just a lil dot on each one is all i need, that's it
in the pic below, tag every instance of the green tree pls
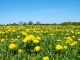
(37, 23)
(24, 23)
(30, 23)
(66, 23)
(20, 23)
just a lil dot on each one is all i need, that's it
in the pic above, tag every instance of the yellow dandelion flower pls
(51, 34)
(18, 36)
(20, 50)
(26, 39)
(37, 48)
(78, 39)
(46, 58)
(12, 46)
(38, 38)
(73, 43)
(35, 41)
(68, 39)
(24, 33)
(32, 37)
(58, 40)
(73, 36)
(65, 47)
(58, 47)
(2, 40)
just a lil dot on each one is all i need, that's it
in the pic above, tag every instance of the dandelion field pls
(40, 42)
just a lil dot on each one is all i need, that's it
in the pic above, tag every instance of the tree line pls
(38, 23)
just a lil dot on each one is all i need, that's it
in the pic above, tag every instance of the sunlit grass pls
(39, 42)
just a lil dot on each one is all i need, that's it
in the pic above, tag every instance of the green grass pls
(47, 43)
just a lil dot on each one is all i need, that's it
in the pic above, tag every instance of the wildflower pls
(78, 32)
(20, 50)
(46, 58)
(38, 38)
(37, 48)
(18, 36)
(78, 39)
(33, 58)
(24, 33)
(13, 30)
(51, 34)
(13, 40)
(32, 37)
(26, 39)
(6, 36)
(68, 39)
(72, 31)
(65, 47)
(27, 30)
(73, 36)
(58, 40)
(67, 34)
(73, 43)
(2, 40)
(36, 41)
(58, 47)
(12, 46)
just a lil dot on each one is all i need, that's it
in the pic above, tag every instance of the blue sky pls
(45, 11)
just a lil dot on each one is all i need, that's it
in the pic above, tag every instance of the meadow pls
(40, 42)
